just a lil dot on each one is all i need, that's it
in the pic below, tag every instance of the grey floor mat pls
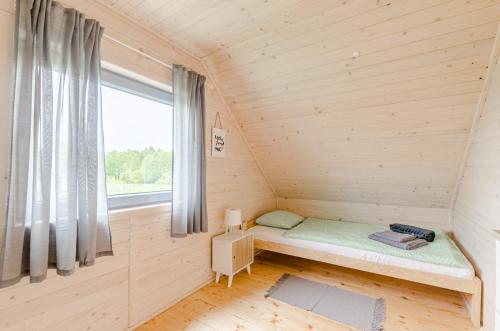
(350, 308)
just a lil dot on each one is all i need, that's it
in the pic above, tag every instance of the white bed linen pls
(276, 235)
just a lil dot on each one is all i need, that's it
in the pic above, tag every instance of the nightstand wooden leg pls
(217, 277)
(248, 269)
(230, 281)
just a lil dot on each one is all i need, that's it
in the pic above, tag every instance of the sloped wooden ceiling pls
(345, 100)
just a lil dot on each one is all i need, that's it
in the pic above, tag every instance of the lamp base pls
(230, 228)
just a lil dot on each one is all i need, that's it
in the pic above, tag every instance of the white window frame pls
(129, 85)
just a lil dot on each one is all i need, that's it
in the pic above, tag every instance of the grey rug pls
(362, 312)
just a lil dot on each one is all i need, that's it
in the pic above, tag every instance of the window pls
(137, 121)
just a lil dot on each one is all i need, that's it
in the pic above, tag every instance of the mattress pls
(277, 236)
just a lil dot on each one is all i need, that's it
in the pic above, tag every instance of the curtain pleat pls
(189, 210)
(57, 203)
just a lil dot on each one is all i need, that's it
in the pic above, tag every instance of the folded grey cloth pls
(408, 245)
(395, 236)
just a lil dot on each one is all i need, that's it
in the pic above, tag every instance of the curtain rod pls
(141, 52)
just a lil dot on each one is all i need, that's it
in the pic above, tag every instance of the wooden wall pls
(476, 212)
(353, 108)
(387, 127)
(150, 270)
(94, 298)
(365, 102)
(369, 213)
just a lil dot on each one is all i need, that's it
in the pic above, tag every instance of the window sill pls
(138, 199)
(159, 208)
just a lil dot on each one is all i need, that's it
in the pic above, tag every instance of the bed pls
(451, 273)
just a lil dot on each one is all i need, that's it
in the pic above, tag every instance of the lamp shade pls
(232, 217)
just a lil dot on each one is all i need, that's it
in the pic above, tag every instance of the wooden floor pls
(409, 306)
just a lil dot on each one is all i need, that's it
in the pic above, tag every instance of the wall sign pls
(218, 138)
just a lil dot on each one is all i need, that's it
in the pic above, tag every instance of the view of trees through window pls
(133, 171)
(138, 143)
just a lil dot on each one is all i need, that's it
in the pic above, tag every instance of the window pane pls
(138, 143)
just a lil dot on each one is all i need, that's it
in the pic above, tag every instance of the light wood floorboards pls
(409, 306)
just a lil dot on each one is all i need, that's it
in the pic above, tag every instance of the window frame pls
(130, 85)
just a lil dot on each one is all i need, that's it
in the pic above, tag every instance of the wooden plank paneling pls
(357, 101)
(88, 299)
(369, 213)
(150, 270)
(333, 31)
(354, 109)
(475, 213)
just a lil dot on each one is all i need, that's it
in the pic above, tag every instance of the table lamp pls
(232, 218)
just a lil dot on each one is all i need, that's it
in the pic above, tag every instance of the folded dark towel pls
(420, 233)
(407, 245)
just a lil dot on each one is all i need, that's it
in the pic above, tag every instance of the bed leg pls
(475, 303)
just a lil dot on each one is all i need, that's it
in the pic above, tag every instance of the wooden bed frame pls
(470, 288)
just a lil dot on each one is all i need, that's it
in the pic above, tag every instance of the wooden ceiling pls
(345, 100)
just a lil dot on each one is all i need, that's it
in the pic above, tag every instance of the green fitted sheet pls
(442, 251)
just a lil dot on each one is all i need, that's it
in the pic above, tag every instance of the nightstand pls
(231, 253)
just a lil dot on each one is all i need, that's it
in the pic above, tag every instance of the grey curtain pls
(189, 207)
(57, 208)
